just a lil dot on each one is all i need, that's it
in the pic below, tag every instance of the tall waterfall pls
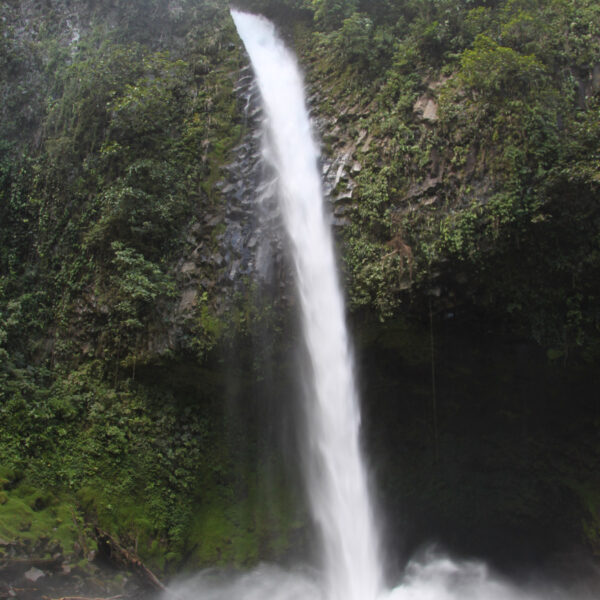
(336, 479)
(337, 482)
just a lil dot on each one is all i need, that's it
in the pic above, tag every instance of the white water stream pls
(336, 477)
(336, 481)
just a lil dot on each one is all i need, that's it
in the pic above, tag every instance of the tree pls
(329, 14)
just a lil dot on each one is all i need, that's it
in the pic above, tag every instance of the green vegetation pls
(475, 125)
(476, 196)
(492, 186)
(104, 170)
(42, 523)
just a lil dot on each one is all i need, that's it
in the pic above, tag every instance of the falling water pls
(337, 483)
(336, 479)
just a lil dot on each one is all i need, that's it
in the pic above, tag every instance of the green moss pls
(244, 530)
(25, 522)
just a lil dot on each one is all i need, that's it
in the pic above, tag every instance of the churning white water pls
(336, 478)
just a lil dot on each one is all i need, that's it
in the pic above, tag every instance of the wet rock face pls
(343, 144)
(238, 245)
(252, 240)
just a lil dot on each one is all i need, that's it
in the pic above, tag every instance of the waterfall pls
(336, 477)
(336, 480)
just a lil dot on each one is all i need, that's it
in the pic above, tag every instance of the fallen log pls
(127, 559)
(86, 598)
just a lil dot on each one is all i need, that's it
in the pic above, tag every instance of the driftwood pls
(125, 558)
(86, 598)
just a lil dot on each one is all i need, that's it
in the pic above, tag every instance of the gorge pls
(154, 381)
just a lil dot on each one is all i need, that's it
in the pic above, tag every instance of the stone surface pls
(188, 300)
(34, 574)
(430, 112)
(426, 108)
(188, 267)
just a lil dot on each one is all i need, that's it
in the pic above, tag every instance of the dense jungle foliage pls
(116, 122)
(472, 194)
(500, 181)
